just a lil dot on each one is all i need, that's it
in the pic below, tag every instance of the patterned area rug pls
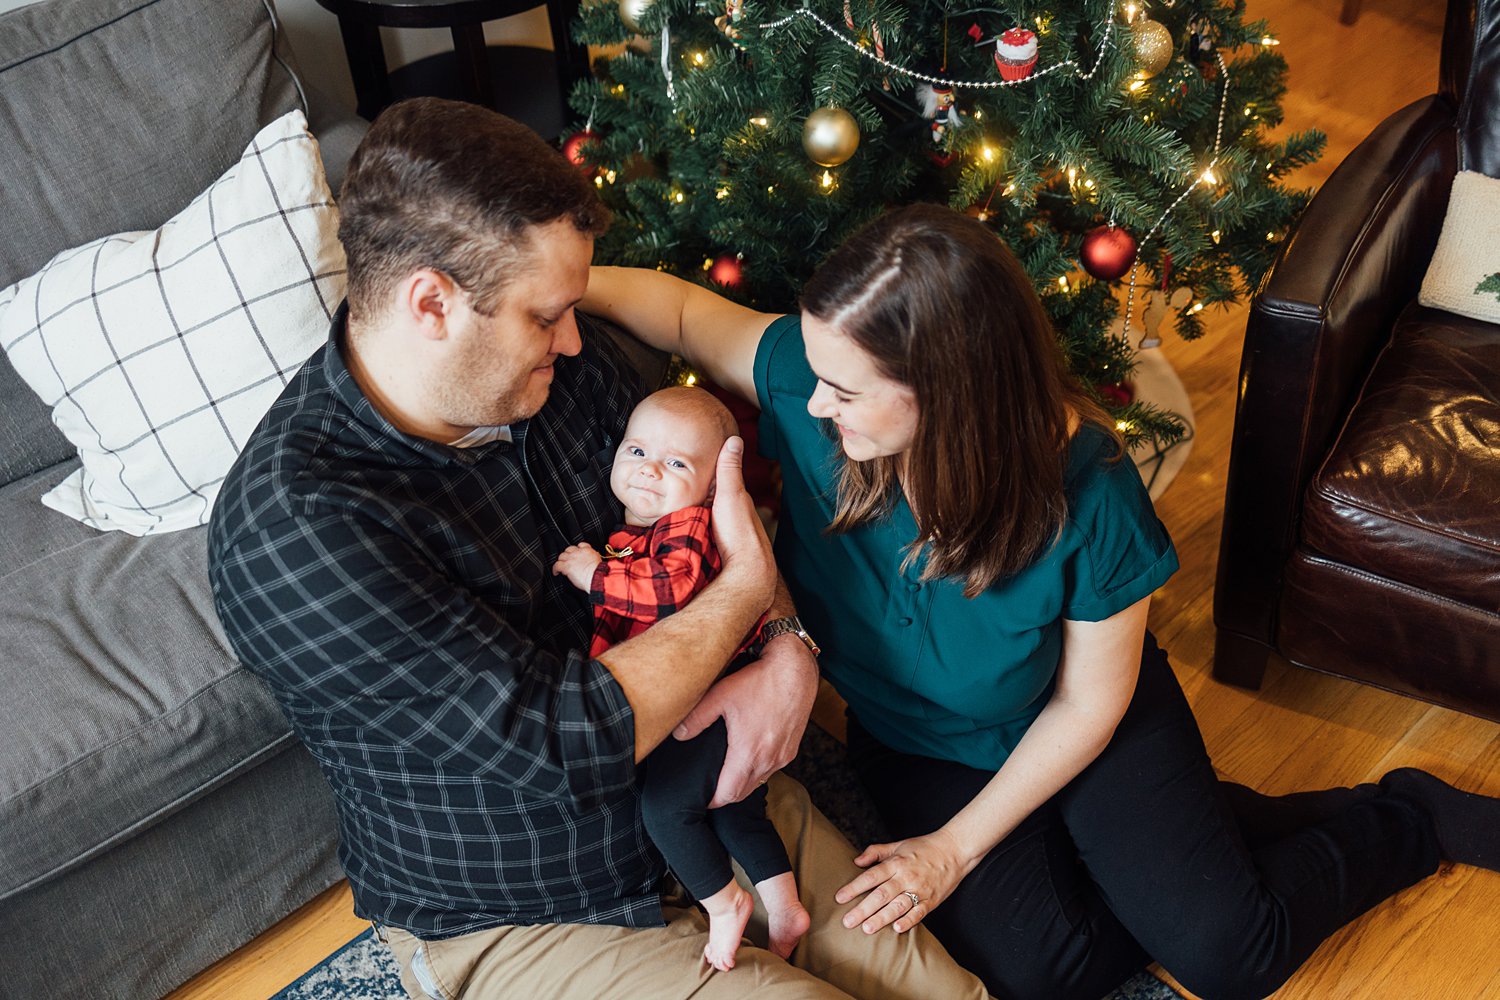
(364, 970)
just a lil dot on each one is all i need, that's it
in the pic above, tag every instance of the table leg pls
(572, 57)
(473, 63)
(372, 88)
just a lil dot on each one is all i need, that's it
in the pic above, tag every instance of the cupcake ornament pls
(1015, 53)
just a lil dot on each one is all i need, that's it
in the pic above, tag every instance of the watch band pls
(790, 625)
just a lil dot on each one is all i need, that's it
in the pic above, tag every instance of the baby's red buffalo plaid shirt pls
(648, 573)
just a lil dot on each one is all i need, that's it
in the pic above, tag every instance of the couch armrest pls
(1325, 310)
(338, 130)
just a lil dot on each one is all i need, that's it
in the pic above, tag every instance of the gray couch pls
(155, 810)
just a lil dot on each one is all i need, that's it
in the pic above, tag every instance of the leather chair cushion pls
(1411, 490)
(1351, 623)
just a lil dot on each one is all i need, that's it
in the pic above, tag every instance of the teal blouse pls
(926, 670)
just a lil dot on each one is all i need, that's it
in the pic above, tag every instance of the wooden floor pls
(1440, 940)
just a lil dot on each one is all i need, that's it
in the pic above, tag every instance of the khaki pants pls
(589, 961)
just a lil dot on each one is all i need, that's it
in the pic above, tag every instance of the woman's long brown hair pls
(943, 307)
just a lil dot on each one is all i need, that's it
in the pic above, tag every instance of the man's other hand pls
(764, 706)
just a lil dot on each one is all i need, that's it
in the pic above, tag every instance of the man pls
(380, 555)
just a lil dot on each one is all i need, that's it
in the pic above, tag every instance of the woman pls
(962, 536)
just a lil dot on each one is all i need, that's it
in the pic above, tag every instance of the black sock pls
(1468, 825)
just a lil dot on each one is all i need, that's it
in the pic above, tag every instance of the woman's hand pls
(930, 867)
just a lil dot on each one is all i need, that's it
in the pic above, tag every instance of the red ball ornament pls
(726, 271)
(1118, 393)
(575, 148)
(1108, 252)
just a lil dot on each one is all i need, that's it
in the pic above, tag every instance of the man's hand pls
(738, 533)
(578, 563)
(764, 706)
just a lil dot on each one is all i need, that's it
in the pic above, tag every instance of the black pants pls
(680, 778)
(1147, 855)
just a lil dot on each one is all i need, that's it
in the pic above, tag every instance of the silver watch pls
(792, 625)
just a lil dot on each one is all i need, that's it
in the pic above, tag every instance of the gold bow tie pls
(610, 552)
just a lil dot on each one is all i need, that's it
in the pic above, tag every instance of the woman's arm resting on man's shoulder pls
(1095, 682)
(717, 336)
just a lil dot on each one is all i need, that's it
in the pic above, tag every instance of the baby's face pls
(665, 463)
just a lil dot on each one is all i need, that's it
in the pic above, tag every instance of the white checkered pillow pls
(159, 352)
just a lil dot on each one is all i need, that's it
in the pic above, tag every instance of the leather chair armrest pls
(1325, 310)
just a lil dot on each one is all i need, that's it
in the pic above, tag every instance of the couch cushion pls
(1411, 490)
(113, 115)
(28, 438)
(123, 110)
(122, 702)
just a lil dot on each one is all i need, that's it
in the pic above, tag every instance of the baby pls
(653, 565)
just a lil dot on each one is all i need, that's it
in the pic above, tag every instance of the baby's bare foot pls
(787, 917)
(728, 913)
(787, 928)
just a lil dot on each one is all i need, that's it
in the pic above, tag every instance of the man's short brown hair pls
(453, 187)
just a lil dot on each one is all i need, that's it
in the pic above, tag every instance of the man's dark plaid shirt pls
(397, 596)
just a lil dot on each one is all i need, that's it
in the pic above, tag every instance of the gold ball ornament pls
(1153, 46)
(830, 136)
(631, 12)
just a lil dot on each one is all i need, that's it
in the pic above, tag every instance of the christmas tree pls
(1120, 149)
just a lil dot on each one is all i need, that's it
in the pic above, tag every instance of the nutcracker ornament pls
(939, 106)
(728, 22)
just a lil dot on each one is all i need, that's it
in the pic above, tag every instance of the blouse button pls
(913, 587)
(903, 622)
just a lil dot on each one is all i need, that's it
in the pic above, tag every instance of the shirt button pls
(903, 622)
(913, 587)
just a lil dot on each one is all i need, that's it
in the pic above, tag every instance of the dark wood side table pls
(529, 84)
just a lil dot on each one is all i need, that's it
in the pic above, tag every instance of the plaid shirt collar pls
(344, 385)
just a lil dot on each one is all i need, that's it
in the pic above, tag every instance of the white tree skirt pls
(1156, 382)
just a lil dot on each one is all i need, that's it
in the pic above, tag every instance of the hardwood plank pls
(278, 957)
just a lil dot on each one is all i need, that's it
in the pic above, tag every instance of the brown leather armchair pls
(1362, 513)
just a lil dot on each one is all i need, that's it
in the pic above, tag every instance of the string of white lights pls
(1107, 36)
(939, 81)
(1206, 177)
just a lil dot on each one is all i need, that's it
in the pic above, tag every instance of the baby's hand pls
(578, 563)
